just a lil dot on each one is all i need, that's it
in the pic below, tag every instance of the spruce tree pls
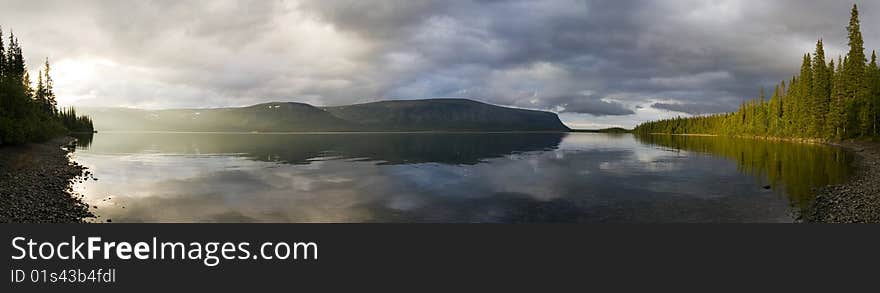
(14, 64)
(873, 77)
(789, 108)
(821, 92)
(836, 118)
(40, 91)
(9, 66)
(866, 107)
(854, 73)
(804, 119)
(49, 94)
(26, 82)
(763, 114)
(26, 114)
(829, 127)
(775, 113)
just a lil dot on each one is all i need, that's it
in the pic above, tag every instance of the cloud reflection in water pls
(416, 178)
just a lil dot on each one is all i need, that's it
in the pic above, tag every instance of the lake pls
(451, 177)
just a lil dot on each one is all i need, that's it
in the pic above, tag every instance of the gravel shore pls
(35, 182)
(857, 201)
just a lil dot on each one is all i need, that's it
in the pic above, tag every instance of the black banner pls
(414, 257)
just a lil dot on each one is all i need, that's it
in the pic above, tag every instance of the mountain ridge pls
(381, 116)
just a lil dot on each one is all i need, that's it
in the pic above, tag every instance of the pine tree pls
(775, 113)
(854, 72)
(836, 118)
(40, 91)
(49, 94)
(26, 82)
(873, 77)
(789, 108)
(27, 114)
(805, 92)
(10, 66)
(830, 126)
(762, 114)
(866, 107)
(14, 65)
(821, 92)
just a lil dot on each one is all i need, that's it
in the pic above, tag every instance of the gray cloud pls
(597, 108)
(590, 60)
(691, 108)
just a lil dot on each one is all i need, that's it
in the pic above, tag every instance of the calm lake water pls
(445, 177)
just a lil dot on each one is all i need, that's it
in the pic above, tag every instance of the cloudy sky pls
(597, 63)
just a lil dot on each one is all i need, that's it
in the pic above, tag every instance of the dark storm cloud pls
(601, 58)
(703, 56)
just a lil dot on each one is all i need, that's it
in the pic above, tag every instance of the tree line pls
(836, 100)
(28, 113)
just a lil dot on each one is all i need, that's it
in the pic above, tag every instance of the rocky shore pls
(857, 201)
(35, 184)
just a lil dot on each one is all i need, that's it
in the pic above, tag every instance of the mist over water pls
(450, 177)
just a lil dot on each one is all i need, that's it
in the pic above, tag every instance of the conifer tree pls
(26, 82)
(40, 91)
(836, 118)
(27, 114)
(821, 92)
(873, 77)
(762, 114)
(854, 72)
(789, 109)
(49, 94)
(775, 113)
(805, 92)
(10, 66)
(866, 106)
(835, 101)
(829, 128)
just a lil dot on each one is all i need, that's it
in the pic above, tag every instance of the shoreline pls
(770, 138)
(35, 184)
(855, 201)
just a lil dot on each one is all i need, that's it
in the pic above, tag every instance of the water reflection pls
(388, 148)
(83, 140)
(796, 168)
(490, 177)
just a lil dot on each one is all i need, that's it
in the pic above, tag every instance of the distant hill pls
(605, 130)
(267, 117)
(409, 115)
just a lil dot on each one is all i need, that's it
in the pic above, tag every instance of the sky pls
(596, 63)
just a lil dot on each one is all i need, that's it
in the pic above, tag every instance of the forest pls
(833, 100)
(28, 113)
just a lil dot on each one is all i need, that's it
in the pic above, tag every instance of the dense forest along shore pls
(857, 201)
(35, 184)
